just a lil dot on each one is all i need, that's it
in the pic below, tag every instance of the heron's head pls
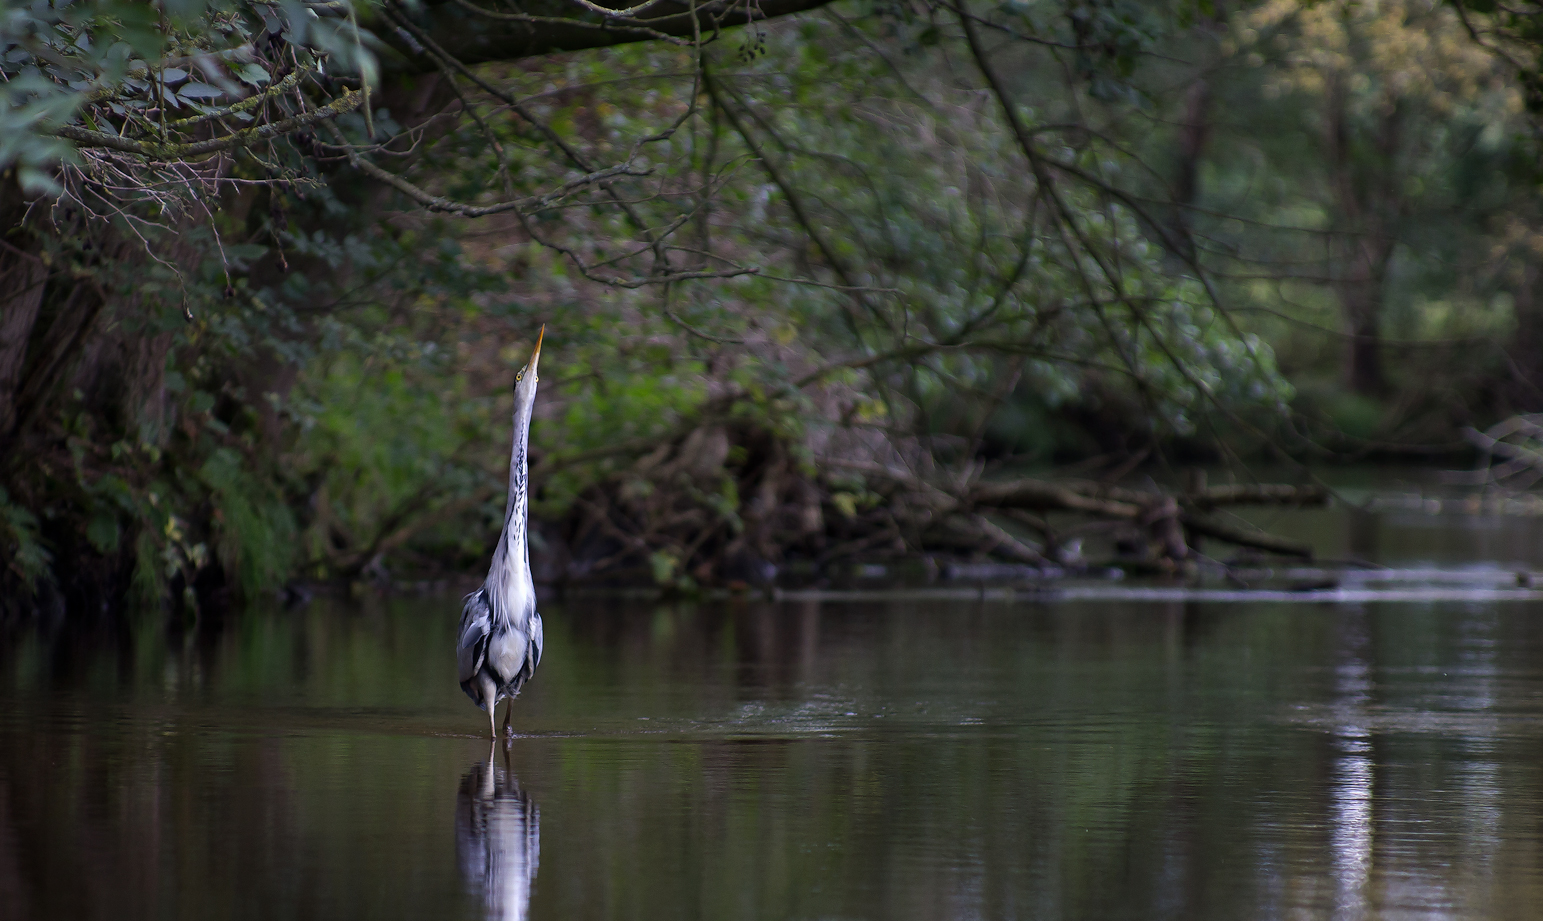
(525, 379)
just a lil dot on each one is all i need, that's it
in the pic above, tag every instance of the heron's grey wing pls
(472, 648)
(533, 657)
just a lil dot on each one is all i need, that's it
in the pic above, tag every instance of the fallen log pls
(679, 511)
(1050, 496)
(1258, 494)
(1251, 538)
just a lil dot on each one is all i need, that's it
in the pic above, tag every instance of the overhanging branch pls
(551, 26)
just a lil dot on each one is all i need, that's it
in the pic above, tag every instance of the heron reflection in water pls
(497, 839)
(500, 637)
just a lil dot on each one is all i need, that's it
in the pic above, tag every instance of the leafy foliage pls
(130, 77)
(867, 236)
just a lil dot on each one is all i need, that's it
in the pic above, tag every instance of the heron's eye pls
(518, 375)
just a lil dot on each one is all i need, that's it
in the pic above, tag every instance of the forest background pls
(823, 283)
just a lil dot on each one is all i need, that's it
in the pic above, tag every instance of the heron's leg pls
(508, 714)
(490, 696)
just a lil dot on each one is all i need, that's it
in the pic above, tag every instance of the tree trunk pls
(22, 278)
(1193, 134)
(1368, 198)
(1360, 298)
(1526, 352)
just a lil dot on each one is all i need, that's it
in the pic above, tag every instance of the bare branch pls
(152, 150)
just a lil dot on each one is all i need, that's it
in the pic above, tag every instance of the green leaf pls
(253, 74)
(197, 90)
(102, 532)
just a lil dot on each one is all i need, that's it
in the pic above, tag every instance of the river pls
(935, 758)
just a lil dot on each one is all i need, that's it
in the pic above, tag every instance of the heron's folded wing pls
(534, 656)
(530, 655)
(472, 648)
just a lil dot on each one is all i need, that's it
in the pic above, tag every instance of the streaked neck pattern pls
(510, 589)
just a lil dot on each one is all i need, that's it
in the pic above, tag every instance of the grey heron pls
(500, 637)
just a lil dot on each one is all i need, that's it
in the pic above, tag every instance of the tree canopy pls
(806, 269)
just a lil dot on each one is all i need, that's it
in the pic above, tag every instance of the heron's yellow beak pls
(536, 355)
(530, 366)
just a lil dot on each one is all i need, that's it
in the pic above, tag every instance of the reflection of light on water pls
(1479, 780)
(1416, 847)
(1350, 837)
(1351, 829)
(497, 840)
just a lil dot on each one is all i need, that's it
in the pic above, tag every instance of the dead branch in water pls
(687, 512)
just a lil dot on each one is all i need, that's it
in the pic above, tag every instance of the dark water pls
(929, 760)
(786, 761)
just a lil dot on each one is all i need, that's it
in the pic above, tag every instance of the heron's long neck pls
(509, 584)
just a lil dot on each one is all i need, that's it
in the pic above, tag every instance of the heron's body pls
(495, 656)
(500, 638)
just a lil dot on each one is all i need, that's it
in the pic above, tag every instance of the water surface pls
(796, 760)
